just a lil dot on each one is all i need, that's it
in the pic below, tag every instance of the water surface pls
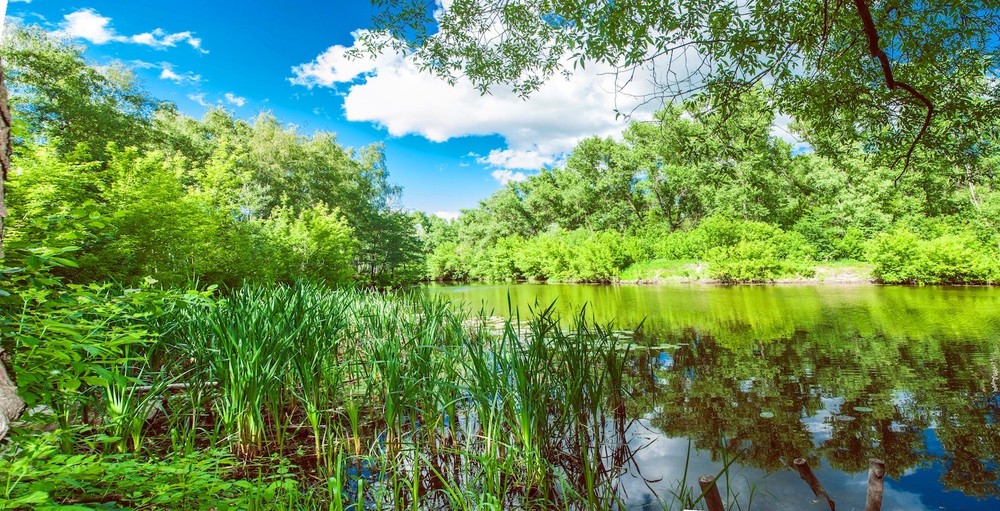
(834, 374)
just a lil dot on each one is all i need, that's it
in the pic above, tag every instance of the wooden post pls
(807, 475)
(876, 477)
(711, 493)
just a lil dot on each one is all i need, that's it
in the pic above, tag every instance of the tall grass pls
(386, 401)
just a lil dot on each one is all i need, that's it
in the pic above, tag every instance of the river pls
(835, 374)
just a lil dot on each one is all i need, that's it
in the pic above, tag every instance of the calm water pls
(834, 374)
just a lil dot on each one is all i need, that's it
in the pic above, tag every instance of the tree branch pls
(871, 33)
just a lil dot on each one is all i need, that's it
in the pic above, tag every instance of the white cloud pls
(333, 66)
(167, 73)
(504, 176)
(200, 100)
(87, 24)
(447, 215)
(233, 99)
(513, 159)
(390, 90)
(160, 40)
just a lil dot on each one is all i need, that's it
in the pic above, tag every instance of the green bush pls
(719, 232)
(753, 261)
(741, 250)
(680, 245)
(830, 237)
(902, 257)
(499, 262)
(316, 243)
(445, 263)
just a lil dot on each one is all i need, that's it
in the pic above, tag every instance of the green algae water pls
(837, 375)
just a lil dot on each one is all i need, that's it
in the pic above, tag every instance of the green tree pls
(317, 243)
(62, 99)
(920, 72)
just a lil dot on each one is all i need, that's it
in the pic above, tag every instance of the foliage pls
(40, 477)
(752, 261)
(904, 257)
(818, 58)
(217, 200)
(317, 243)
(57, 97)
(698, 185)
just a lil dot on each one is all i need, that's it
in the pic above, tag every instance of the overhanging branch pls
(871, 33)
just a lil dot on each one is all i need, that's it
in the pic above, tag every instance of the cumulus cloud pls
(88, 25)
(447, 215)
(517, 159)
(333, 66)
(504, 176)
(391, 91)
(233, 99)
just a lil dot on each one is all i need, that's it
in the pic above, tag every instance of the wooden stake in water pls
(711, 493)
(807, 475)
(876, 476)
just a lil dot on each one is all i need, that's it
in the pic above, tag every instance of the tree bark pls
(11, 405)
(5, 150)
(871, 34)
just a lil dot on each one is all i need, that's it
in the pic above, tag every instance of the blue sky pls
(447, 146)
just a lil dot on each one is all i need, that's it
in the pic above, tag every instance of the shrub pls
(445, 263)
(753, 261)
(902, 257)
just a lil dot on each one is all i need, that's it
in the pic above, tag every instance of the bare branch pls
(876, 51)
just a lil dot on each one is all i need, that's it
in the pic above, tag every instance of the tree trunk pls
(11, 405)
(4, 150)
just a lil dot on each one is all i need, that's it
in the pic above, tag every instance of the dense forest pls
(694, 185)
(133, 189)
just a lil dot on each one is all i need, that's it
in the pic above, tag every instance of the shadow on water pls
(835, 375)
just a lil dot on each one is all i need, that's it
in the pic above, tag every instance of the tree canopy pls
(134, 188)
(905, 78)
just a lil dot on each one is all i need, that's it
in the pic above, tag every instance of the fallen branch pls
(175, 386)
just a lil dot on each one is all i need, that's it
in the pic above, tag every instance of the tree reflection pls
(832, 393)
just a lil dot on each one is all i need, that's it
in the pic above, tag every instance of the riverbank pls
(671, 271)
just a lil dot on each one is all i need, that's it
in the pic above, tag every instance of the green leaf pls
(36, 497)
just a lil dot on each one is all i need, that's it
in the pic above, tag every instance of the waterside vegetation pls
(302, 396)
(725, 194)
(194, 310)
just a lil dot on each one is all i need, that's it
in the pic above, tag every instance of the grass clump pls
(307, 397)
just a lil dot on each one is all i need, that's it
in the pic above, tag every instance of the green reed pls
(128, 402)
(396, 402)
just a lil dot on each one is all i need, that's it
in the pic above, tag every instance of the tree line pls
(705, 184)
(133, 189)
